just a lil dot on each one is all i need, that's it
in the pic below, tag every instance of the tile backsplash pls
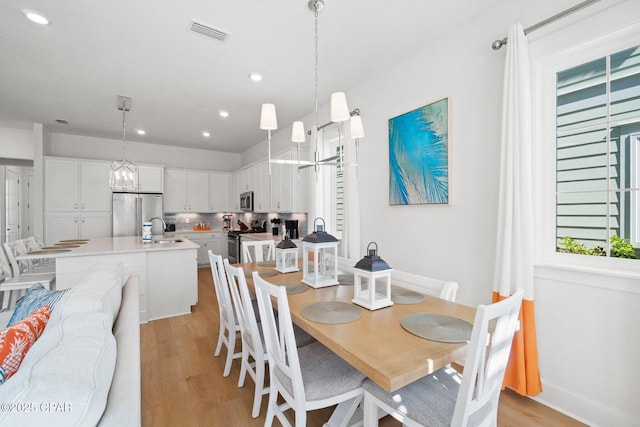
(186, 221)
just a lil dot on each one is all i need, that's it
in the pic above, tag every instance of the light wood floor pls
(182, 382)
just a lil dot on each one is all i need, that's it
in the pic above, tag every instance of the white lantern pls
(367, 273)
(319, 258)
(287, 256)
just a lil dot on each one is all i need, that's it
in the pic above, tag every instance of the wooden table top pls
(376, 344)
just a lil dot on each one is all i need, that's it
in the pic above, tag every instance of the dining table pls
(375, 343)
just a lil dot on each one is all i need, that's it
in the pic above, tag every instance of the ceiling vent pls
(209, 31)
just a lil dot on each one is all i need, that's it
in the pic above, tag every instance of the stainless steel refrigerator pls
(130, 210)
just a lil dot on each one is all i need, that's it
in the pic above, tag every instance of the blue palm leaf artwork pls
(419, 156)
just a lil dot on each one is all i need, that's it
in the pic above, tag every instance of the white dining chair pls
(449, 291)
(22, 267)
(263, 250)
(31, 244)
(307, 378)
(446, 398)
(251, 340)
(229, 328)
(10, 286)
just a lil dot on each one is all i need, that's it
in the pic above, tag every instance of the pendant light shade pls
(297, 132)
(268, 120)
(339, 109)
(357, 131)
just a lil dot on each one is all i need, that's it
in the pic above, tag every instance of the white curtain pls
(351, 233)
(514, 249)
(514, 253)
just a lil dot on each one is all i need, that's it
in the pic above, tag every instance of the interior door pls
(12, 192)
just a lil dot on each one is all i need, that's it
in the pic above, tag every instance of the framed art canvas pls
(419, 156)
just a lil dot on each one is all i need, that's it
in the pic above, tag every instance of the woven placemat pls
(331, 312)
(58, 246)
(48, 251)
(437, 327)
(266, 264)
(80, 241)
(405, 296)
(345, 279)
(261, 273)
(294, 288)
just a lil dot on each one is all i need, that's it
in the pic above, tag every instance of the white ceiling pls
(74, 68)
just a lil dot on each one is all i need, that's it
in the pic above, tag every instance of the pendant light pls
(123, 173)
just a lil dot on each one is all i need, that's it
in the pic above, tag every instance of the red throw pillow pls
(18, 338)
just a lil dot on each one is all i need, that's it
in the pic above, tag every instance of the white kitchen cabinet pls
(262, 186)
(281, 184)
(245, 180)
(150, 179)
(186, 191)
(216, 242)
(219, 192)
(77, 199)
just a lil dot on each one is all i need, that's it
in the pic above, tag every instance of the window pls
(598, 156)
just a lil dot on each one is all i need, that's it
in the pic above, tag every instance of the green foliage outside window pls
(620, 248)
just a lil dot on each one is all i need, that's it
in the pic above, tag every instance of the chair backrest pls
(244, 310)
(14, 249)
(449, 291)
(258, 247)
(31, 244)
(6, 271)
(279, 339)
(221, 287)
(486, 361)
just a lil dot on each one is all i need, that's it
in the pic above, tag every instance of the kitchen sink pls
(167, 241)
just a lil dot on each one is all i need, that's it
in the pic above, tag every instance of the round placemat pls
(266, 264)
(59, 246)
(261, 273)
(331, 312)
(405, 296)
(345, 279)
(437, 327)
(294, 288)
(80, 241)
(48, 251)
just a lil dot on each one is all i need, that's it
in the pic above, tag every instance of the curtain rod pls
(496, 45)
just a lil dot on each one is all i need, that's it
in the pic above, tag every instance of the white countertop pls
(127, 244)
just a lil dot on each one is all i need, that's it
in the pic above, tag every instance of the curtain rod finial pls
(496, 45)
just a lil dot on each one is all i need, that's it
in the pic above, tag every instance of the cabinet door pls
(262, 184)
(61, 185)
(60, 226)
(198, 198)
(219, 189)
(175, 195)
(95, 191)
(150, 179)
(95, 224)
(281, 184)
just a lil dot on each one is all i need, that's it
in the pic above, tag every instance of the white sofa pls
(84, 370)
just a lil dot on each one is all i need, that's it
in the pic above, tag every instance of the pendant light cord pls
(124, 129)
(316, 154)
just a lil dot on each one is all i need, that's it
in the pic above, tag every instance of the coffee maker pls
(291, 228)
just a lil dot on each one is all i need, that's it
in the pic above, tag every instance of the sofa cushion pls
(70, 367)
(17, 339)
(99, 290)
(36, 297)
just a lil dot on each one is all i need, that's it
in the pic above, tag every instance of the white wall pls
(588, 370)
(77, 146)
(16, 143)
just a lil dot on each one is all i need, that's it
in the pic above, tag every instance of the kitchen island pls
(167, 269)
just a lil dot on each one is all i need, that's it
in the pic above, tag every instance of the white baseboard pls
(592, 413)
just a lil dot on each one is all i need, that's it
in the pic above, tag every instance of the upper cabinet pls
(261, 187)
(150, 179)
(196, 191)
(74, 186)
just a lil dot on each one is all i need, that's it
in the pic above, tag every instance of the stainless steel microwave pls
(246, 201)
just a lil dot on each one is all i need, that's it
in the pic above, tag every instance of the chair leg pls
(244, 365)
(370, 411)
(231, 348)
(271, 407)
(259, 390)
(220, 339)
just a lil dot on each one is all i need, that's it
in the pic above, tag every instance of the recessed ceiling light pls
(224, 113)
(206, 134)
(256, 77)
(141, 132)
(36, 17)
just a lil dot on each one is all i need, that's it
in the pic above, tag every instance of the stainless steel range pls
(233, 243)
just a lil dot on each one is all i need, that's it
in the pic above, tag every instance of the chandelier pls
(122, 176)
(339, 114)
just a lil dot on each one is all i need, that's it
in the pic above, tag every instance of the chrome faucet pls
(164, 224)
